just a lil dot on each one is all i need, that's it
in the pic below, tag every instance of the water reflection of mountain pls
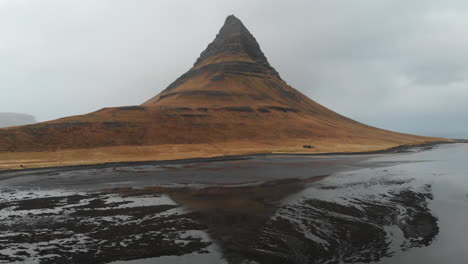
(236, 215)
(250, 223)
(283, 221)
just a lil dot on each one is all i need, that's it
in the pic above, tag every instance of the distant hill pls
(15, 119)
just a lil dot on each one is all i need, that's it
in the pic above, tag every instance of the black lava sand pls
(281, 209)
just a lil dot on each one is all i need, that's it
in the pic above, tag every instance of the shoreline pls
(97, 205)
(393, 150)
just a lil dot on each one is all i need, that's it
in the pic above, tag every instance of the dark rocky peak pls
(234, 38)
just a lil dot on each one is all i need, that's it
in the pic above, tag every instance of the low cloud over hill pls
(15, 119)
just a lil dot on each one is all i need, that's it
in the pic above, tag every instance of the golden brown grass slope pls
(231, 102)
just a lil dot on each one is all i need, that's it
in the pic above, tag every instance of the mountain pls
(231, 102)
(15, 119)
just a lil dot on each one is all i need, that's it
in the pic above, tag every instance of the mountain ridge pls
(234, 49)
(231, 102)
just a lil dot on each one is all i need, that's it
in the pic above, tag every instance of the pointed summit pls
(234, 39)
(234, 51)
(231, 102)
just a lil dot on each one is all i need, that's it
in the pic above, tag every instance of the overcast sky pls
(395, 64)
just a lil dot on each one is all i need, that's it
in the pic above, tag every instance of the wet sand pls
(268, 209)
(232, 171)
(202, 171)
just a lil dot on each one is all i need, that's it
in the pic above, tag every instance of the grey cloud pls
(433, 74)
(395, 64)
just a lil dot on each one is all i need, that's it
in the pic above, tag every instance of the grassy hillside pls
(230, 102)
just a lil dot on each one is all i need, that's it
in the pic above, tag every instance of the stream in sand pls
(393, 208)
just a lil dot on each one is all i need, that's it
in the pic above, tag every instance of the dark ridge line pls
(193, 115)
(237, 109)
(131, 107)
(235, 38)
(224, 67)
(198, 92)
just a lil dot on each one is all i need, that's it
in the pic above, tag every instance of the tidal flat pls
(407, 207)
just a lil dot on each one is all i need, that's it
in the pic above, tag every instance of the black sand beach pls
(267, 209)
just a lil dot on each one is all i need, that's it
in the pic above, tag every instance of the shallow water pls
(446, 170)
(398, 208)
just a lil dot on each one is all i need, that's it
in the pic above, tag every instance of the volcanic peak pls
(232, 102)
(234, 50)
(234, 38)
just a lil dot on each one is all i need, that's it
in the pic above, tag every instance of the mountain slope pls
(230, 102)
